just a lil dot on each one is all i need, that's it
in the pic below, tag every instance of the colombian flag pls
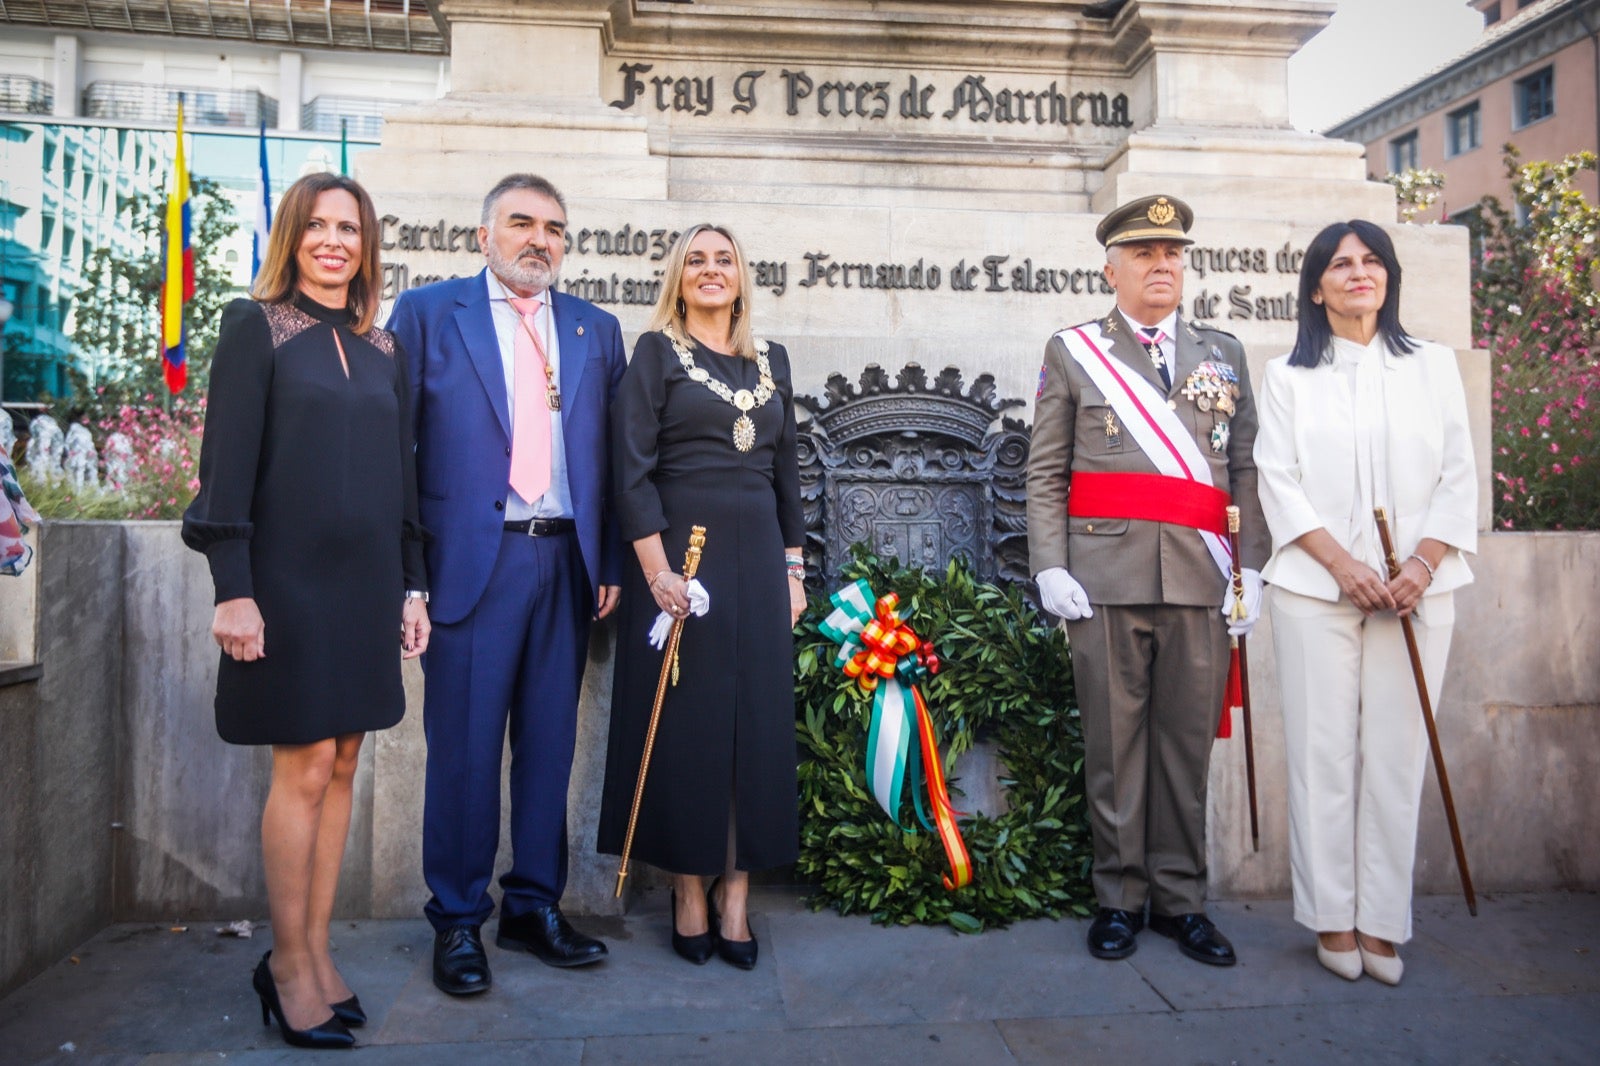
(177, 272)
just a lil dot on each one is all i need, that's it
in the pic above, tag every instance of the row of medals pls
(1210, 385)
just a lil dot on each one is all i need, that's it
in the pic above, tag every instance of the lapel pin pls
(580, 331)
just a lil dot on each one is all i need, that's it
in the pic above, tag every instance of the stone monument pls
(915, 181)
(47, 449)
(82, 459)
(119, 461)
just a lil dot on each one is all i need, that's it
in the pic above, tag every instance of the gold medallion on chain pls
(744, 429)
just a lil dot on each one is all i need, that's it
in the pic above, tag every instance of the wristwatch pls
(416, 594)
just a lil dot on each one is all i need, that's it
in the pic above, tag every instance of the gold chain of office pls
(744, 430)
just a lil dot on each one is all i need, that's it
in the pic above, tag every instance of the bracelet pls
(794, 560)
(797, 572)
(657, 576)
(1425, 566)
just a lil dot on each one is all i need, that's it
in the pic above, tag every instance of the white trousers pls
(1357, 751)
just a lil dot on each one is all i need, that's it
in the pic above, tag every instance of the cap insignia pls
(1161, 212)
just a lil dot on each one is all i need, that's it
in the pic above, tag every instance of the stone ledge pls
(19, 673)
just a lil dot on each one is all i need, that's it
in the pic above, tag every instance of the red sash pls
(1149, 497)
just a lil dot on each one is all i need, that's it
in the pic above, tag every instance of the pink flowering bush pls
(162, 478)
(1536, 309)
(166, 450)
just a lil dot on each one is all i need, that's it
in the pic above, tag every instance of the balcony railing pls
(363, 116)
(29, 96)
(130, 101)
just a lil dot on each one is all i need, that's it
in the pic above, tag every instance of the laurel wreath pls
(1005, 678)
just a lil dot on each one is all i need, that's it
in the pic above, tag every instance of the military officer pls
(1143, 429)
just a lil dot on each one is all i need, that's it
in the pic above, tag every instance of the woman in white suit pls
(1360, 415)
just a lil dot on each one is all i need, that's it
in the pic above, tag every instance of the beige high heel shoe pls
(1385, 968)
(1346, 964)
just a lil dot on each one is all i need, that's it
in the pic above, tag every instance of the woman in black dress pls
(307, 514)
(704, 434)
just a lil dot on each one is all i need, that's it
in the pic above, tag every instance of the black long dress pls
(308, 503)
(727, 731)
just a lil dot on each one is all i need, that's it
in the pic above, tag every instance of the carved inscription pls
(1266, 293)
(796, 93)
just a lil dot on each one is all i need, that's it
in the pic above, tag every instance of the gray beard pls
(523, 271)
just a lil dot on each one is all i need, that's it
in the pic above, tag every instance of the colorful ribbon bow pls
(887, 658)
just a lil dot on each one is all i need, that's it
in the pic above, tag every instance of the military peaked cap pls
(1149, 218)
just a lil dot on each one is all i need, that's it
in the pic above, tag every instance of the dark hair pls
(1311, 344)
(531, 182)
(279, 276)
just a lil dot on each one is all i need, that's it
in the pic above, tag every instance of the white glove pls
(1252, 604)
(1061, 595)
(699, 604)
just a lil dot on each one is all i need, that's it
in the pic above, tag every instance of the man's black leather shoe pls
(546, 933)
(1111, 933)
(1196, 937)
(460, 967)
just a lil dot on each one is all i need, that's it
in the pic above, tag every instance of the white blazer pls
(1306, 462)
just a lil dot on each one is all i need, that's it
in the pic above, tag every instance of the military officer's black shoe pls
(1112, 931)
(1196, 937)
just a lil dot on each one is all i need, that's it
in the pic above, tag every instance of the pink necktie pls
(530, 421)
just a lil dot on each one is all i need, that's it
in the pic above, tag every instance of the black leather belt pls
(542, 527)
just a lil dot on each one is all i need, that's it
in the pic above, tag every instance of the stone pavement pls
(1518, 984)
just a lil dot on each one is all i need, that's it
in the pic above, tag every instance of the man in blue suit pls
(511, 385)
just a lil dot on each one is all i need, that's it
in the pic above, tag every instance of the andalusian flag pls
(177, 270)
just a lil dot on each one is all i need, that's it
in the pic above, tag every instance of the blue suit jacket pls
(461, 421)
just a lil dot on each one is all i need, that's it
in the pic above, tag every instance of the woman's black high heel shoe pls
(740, 953)
(698, 948)
(349, 1011)
(329, 1034)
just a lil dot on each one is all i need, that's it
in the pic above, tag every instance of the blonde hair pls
(279, 277)
(666, 311)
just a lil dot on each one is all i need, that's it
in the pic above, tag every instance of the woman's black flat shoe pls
(740, 953)
(349, 1011)
(329, 1034)
(699, 948)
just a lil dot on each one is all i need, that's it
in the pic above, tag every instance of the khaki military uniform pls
(1151, 664)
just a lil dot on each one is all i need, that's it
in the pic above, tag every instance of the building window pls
(1491, 14)
(1535, 97)
(1463, 132)
(1403, 153)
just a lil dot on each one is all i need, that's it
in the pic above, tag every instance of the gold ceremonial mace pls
(1244, 680)
(1427, 719)
(669, 669)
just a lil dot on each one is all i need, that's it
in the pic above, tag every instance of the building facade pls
(88, 98)
(1532, 81)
